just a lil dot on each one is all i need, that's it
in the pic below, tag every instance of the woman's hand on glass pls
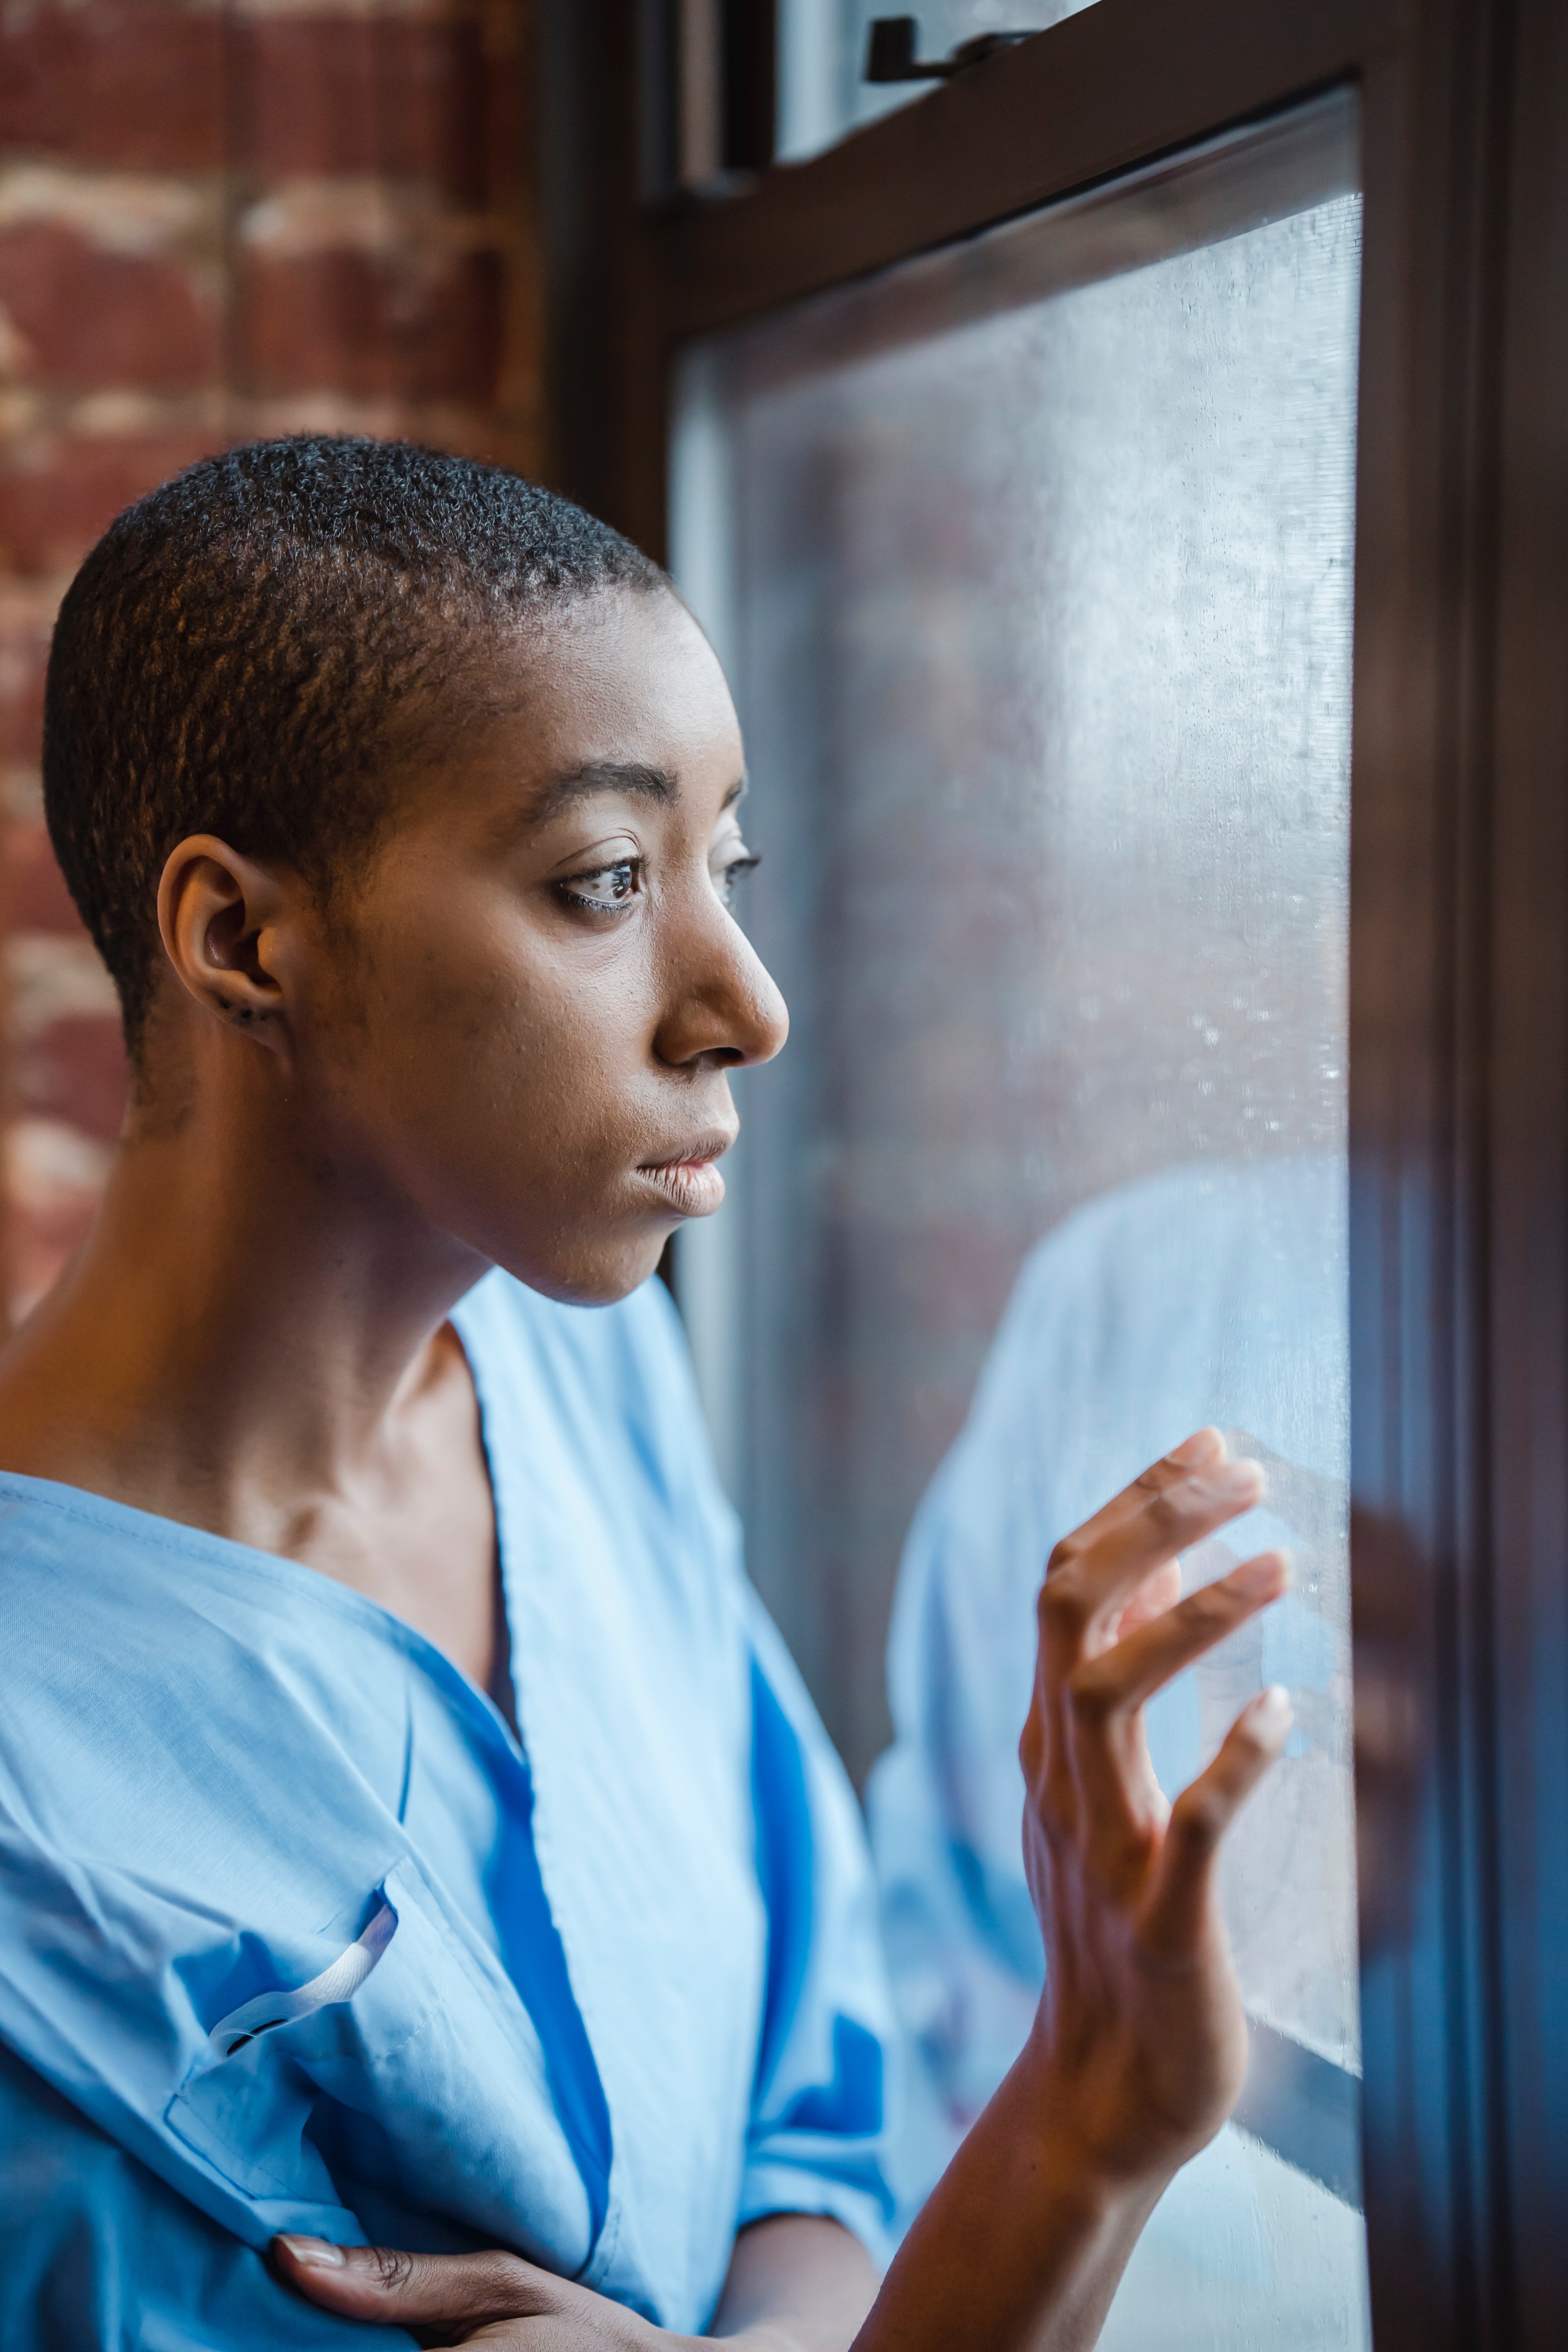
(1141, 2041)
(1140, 2044)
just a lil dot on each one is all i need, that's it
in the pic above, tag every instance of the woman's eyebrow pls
(603, 776)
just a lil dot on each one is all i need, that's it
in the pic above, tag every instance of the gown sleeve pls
(825, 2080)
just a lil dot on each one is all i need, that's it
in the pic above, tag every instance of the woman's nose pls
(724, 1008)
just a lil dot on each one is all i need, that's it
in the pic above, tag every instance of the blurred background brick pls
(366, 95)
(79, 317)
(217, 221)
(134, 87)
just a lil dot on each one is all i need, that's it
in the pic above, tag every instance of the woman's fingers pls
(401, 2290)
(1178, 1915)
(1153, 1597)
(1089, 1583)
(1107, 1690)
(1097, 1574)
(1115, 1681)
(1203, 1448)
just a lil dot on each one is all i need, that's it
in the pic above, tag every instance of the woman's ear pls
(221, 916)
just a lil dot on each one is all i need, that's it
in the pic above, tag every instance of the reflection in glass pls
(1032, 564)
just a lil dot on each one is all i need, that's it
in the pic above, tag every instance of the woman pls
(411, 1829)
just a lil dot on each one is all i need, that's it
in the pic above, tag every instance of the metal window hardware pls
(894, 40)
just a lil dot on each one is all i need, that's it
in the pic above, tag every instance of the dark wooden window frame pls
(1459, 982)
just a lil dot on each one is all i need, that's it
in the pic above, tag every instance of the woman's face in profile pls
(530, 1004)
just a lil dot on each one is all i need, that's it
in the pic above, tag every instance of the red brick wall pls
(217, 221)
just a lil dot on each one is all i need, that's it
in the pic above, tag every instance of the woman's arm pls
(797, 2282)
(1138, 2051)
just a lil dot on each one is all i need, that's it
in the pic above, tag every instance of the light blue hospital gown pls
(296, 1937)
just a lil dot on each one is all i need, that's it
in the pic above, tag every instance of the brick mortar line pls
(149, 215)
(124, 417)
(110, 417)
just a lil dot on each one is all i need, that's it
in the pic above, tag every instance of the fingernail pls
(1271, 1707)
(315, 2254)
(1195, 1449)
(1269, 1572)
(1235, 1477)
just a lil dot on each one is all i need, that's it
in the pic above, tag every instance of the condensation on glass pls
(1031, 563)
(822, 92)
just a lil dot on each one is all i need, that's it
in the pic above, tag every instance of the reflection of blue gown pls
(1206, 1294)
(298, 1938)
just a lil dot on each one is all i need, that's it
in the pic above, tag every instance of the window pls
(1032, 566)
(1009, 453)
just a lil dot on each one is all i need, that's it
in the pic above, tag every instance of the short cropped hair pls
(249, 649)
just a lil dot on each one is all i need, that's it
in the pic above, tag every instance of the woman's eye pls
(725, 877)
(606, 889)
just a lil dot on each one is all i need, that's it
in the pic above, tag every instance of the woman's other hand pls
(797, 2282)
(451, 2299)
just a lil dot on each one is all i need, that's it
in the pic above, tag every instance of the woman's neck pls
(244, 1324)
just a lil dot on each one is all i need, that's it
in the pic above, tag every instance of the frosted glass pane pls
(822, 59)
(1032, 564)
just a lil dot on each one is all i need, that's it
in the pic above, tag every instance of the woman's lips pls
(693, 1185)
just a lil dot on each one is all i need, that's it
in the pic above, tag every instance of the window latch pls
(890, 52)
